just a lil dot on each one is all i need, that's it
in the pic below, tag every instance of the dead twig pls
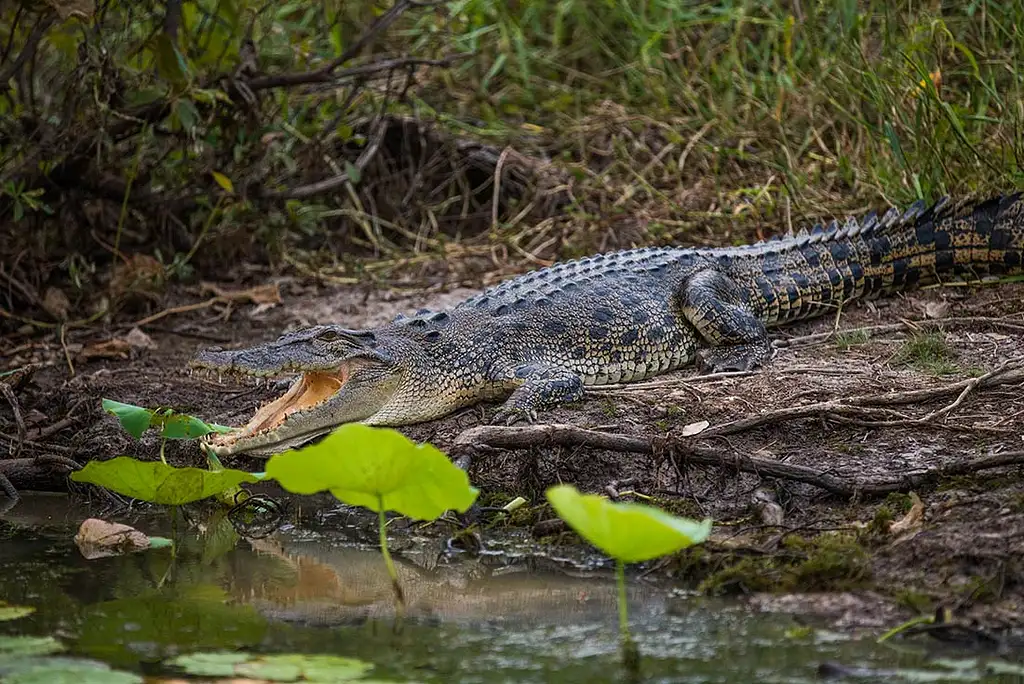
(8, 392)
(1009, 373)
(487, 437)
(1015, 325)
(328, 184)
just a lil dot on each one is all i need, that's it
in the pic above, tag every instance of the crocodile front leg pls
(538, 387)
(738, 340)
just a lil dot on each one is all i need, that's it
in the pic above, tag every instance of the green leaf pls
(67, 671)
(18, 646)
(158, 482)
(223, 181)
(625, 531)
(187, 114)
(216, 664)
(134, 419)
(8, 612)
(353, 173)
(363, 465)
(274, 668)
(181, 426)
(170, 63)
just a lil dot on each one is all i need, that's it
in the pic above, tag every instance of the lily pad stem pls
(381, 522)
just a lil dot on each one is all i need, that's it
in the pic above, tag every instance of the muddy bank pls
(841, 455)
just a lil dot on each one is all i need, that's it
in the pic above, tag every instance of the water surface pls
(319, 588)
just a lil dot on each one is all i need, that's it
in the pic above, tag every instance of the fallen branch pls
(42, 474)
(482, 438)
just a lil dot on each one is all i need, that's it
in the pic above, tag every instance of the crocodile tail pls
(965, 241)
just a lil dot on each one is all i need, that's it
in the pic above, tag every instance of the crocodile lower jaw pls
(307, 392)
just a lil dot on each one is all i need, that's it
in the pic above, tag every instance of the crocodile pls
(537, 340)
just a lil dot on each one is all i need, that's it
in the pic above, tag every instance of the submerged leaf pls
(362, 465)
(101, 539)
(158, 482)
(625, 531)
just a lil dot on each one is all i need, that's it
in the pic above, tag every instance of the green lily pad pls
(20, 646)
(136, 420)
(66, 671)
(376, 468)
(8, 612)
(320, 669)
(214, 664)
(158, 482)
(628, 532)
(181, 426)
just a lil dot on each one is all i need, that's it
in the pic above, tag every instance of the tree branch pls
(27, 52)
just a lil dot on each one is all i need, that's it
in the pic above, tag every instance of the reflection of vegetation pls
(378, 469)
(375, 468)
(158, 624)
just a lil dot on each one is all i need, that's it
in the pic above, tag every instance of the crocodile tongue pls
(309, 390)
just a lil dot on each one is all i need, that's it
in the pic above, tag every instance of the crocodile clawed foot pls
(511, 416)
(740, 357)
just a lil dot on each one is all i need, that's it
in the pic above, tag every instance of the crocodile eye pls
(328, 336)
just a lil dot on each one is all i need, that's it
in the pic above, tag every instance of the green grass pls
(928, 352)
(830, 107)
(675, 122)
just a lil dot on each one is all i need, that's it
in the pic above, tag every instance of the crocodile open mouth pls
(308, 391)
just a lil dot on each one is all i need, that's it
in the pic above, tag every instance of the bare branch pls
(27, 52)
(531, 436)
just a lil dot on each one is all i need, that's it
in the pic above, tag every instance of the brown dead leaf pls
(913, 520)
(116, 348)
(139, 340)
(261, 294)
(56, 303)
(694, 428)
(101, 539)
(936, 309)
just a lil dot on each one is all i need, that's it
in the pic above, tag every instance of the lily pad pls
(66, 671)
(157, 482)
(376, 468)
(274, 668)
(19, 646)
(628, 532)
(136, 420)
(9, 612)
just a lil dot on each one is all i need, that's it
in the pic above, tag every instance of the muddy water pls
(506, 617)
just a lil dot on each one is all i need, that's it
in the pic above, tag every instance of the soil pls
(827, 554)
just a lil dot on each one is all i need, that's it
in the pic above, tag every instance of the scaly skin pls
(542, 337)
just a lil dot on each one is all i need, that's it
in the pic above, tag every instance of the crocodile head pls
(344, 376)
